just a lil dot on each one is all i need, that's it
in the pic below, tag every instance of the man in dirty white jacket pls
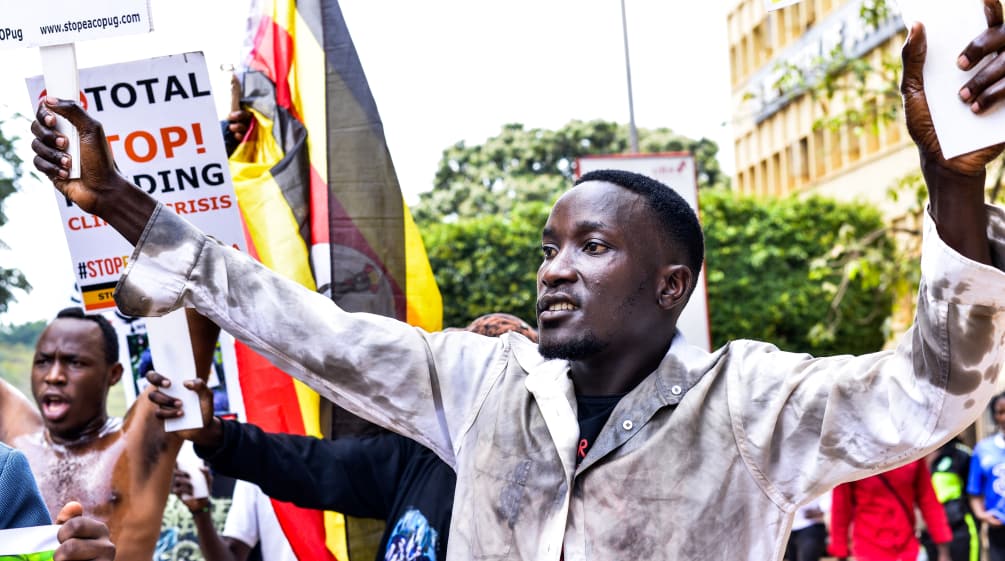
(613, 439)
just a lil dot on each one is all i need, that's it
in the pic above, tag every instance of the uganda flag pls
(321, 205)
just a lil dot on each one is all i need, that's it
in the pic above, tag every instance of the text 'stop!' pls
(56, 22)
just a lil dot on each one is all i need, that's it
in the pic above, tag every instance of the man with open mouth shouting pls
(119, 470)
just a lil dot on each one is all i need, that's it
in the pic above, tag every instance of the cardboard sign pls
(160, 121)
(57, 22)
(37, 543)
(680, 173)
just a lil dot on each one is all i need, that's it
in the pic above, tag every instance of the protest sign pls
(57, 22)
(160, 121)
(37, 543)
(55, 27)
(678, 170)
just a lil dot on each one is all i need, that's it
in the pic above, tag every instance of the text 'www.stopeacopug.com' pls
(8, 34)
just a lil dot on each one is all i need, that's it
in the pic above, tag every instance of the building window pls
(819, 153)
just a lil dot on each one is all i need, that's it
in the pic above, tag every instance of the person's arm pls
(350, 475)
(841, 513)
(214, 547)
(931, 510)
(810, 423)
(975, 488)
(955, 186)
(427, 386)
(18, 415)
(81, 538)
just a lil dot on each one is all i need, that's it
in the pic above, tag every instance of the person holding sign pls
(120, 470)
(611, 438)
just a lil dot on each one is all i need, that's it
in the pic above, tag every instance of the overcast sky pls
(440, 72)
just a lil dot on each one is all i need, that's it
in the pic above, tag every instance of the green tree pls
(779, 270)
(10, 279)
(536, 165)
(487, 263)
(22, 334)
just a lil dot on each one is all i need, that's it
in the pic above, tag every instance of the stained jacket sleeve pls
(841, 513)
(931, 508)
(22, 503)
(805, 424)
(397, 376)
(354, 476)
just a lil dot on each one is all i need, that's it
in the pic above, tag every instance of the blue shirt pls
(987, 474)
(21, 504)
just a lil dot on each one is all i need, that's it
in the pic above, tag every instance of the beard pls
(582, 348)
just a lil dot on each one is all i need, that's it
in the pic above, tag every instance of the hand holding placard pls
(27, 26)
(171, 351)
(949, 28)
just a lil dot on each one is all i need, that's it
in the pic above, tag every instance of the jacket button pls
(676, 390)
(627, 425)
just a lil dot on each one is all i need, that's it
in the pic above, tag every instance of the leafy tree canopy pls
(783, 271)
(536, 165)
(488, 263)
(10, 279)
(22, 334)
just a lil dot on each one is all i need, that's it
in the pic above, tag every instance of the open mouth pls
(556, 310)
(55, 408)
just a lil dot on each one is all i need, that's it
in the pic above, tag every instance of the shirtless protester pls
(120, 470)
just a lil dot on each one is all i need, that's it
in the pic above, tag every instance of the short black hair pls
(679, 220)
(107, 331)
(994, 400)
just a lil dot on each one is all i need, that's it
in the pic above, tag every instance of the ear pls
(675, 287)
(115, 373)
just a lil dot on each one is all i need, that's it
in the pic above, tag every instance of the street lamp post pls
(633, 134)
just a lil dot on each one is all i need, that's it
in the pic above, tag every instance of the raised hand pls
(100, 190)
(919, 118)
(181, 486)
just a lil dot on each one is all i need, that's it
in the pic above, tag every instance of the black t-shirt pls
(387, 477)
(593, 412)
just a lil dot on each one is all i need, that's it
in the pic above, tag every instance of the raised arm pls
(955, 186)
(18, 415)
(351, 475)
(101, 190)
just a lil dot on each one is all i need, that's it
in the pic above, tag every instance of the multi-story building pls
(787, 140)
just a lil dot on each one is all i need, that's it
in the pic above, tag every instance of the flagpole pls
(633, 133)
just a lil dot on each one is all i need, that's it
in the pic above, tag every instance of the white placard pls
(171, 351)
(950, 26)
(160, 120)
(56, 22)
(680, 173)
(192, 464)
(25, 541)
(59, 67)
